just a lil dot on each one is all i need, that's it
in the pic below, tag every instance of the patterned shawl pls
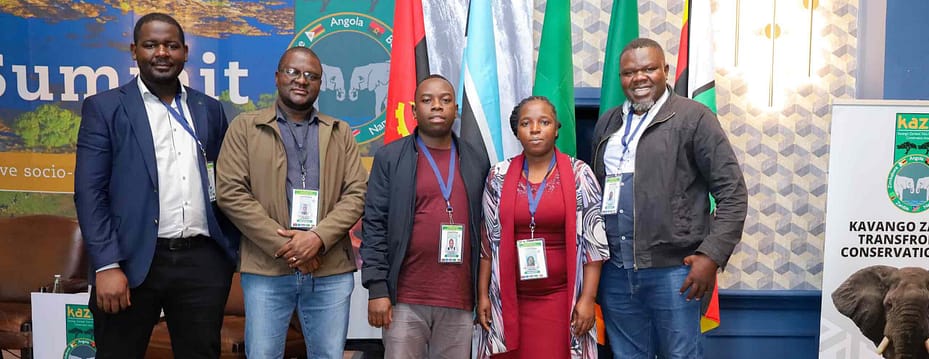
(590, 245)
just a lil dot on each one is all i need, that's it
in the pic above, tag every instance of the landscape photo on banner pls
(55, 56)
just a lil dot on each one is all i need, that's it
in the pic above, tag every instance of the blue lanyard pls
(625, 139)
(179, 117)
(445, 187)
(535, 198)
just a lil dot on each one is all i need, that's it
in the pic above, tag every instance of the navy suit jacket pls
(116, 180)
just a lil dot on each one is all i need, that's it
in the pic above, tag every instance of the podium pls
(62, 326)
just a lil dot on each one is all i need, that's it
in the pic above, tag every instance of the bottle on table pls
(57, 286)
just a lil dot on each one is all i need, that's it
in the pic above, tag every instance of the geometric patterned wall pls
(784, 150)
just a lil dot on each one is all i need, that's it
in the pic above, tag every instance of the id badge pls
(305, 206)
(531, 253)
(451, 242)
(611, 195)
(211, 173)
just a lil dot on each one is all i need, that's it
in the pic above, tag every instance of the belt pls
(174, 244)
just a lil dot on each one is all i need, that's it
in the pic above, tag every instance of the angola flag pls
(695, 79)
(407, 56)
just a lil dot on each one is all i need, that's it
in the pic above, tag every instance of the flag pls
(407, 56)
(480, 94)
(554, 74)
(624, 27)
(694, 78)
(695, 69)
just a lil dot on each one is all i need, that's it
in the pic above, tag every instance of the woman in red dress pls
(545, 244)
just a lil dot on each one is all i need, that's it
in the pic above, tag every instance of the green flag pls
(554, 73)
(624, 27)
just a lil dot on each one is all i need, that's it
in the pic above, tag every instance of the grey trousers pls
(423, 331)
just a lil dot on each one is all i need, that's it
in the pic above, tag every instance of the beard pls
(642, 107)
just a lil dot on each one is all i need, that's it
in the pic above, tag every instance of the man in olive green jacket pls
(291, 180)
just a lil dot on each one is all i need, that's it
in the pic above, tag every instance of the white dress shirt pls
(181, 208)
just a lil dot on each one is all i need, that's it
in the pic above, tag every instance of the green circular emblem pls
(354, 49)
(908, 183)
(81, 348)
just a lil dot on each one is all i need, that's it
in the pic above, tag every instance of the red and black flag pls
(407, 57)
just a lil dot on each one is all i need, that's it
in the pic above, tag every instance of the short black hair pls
(514, 116)
(155, 16)
(642, 42)
(435, 76)
(280, 62)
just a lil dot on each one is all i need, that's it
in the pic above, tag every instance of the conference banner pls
(875, 297)
(56, 56)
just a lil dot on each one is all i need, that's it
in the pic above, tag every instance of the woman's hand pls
(483, 312)
(583, 317)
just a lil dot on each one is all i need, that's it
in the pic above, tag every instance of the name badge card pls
(531, 253)
(450, 245)
(211, 173)
(305, 206)
(611, 195)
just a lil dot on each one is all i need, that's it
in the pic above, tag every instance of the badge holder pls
(451, 241)
(305, 205)
(211, 173)
(611, 194)
(531, 253)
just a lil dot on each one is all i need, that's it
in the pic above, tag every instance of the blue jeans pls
(322, 305)
(646, 315)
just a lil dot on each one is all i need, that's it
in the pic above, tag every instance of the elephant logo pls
(371, 77)
(891, 308)
(333, 81)
(922, 185)
(354, 47)
(908, 183)
(901, 183)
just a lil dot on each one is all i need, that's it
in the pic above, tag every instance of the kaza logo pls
(354, 49)
(908, 181)
(79, 324)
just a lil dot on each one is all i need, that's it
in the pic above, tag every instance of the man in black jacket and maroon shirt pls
(424, 191)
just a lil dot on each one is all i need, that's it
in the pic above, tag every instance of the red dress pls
(544, 319)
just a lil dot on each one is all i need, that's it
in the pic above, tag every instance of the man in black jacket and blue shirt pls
(656, 157)
(423, 193)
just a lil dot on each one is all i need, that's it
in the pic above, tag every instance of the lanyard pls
(445, 187)
(179, 117)
(535, 198)
(625, 139)
(301, 148)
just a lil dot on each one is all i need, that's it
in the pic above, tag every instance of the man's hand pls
(702, 276)
(302, 246)
(112, 290)
(583, 318)
(380, 312)
(483, 312)
(310, 266)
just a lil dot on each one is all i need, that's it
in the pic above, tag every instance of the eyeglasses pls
(293, 74)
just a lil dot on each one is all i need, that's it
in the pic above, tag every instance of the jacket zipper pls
(635, 215)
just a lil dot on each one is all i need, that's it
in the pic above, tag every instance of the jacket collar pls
(268, 115)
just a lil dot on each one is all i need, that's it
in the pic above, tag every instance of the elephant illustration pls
(924, 146)
(922, 184)
(371, 77)
(906, 146)
(901, 183)
(333, 80)
(891, 308)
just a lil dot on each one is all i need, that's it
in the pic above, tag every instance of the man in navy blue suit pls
(146, 203)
